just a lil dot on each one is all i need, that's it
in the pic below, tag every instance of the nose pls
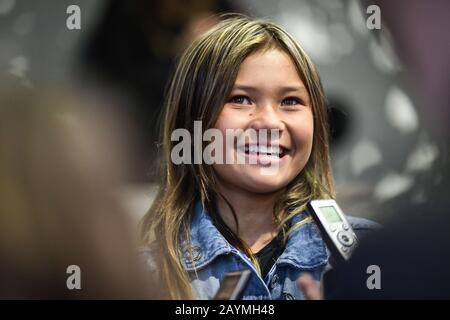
(267, 117)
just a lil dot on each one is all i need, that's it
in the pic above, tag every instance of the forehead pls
(269, 67)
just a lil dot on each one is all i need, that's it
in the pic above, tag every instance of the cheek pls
(302, 134)
(229, 120)
(223, 122)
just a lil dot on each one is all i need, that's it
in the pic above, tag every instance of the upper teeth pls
(263, 149)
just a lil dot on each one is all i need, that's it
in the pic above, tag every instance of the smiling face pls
(267, 94)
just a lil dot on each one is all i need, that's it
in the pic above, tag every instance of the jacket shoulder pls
(363, 226)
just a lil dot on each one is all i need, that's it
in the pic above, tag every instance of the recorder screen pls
(330, 214)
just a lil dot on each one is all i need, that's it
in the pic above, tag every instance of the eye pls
(291, 101)
(240, 100)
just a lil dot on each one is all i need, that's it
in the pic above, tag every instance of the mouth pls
(275, 151)
(266, 151)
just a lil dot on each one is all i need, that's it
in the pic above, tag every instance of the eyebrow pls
(283, 89)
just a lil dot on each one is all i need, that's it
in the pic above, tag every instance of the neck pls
(254, 213)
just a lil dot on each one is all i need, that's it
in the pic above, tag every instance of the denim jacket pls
(213, 257)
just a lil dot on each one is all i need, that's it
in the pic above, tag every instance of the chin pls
(265, 184)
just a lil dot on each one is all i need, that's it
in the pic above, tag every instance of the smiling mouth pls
(265, 150)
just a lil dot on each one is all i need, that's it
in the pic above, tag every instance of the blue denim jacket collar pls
(304, 249)
(207, 241)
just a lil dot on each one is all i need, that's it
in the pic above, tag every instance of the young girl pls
(208, 220)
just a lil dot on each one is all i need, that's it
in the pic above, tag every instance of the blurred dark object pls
(339, 121)
(133, 50)
(413, 255)
(413, 252)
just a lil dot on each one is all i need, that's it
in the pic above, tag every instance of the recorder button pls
(345, 238)
(332, 228)
(345, 226)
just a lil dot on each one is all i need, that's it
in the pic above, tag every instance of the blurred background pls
(382, 153)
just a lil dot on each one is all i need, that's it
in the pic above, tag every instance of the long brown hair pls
(202, 82)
